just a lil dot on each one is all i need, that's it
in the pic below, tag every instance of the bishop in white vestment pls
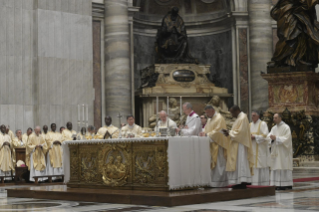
(259, 131)
(132, 130)
(108, 131)
(218, 146)
(162, 123)
(281, 155)
(68, 134)
(193, 125)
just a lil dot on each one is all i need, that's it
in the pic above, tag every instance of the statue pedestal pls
(295, 95)
(293, 90)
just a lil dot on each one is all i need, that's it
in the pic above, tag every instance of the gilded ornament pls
(89, 169)
(144, 167)
(114, 163)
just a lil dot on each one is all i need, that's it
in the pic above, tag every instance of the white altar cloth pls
(188, 159)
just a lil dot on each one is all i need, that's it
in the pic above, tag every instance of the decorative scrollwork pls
(119, 165)
(89, 167)
(161, 162)
(144, 166)
(74, 165)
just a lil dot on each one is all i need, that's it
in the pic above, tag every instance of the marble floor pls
(303, 197)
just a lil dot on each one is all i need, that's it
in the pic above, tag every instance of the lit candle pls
(87, 113)
(83, 117)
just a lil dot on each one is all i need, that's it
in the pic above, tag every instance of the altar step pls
(153, 198)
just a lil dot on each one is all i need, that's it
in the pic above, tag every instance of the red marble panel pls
(243, 70)
(97, 73)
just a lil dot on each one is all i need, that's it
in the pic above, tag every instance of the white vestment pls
(242, 173)
(162, 124)
(134, 129)
(260, 151)
(194, 125)
(36, 173)
(50, 170)
(33, 141)
(6, 160)
(218, 173)
(281, 155)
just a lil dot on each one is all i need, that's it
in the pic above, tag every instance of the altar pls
(162, 171)
(164, 163)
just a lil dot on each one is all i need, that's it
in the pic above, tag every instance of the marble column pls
(260, 36)
(117, 59)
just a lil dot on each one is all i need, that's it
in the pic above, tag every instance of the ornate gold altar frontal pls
(138, 165)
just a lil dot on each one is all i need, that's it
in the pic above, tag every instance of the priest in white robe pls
(68, 134)
(90, 132)
(18, 141)
(25, 138)
(44, 132)
(162, 123)
(131, 130)
(6, 164)
(259, 131)
(11, 134)
(108, 131)
(281, 155)
(26, 135)
(35, 151)
(193, 125)
(82, 134)
(240, 161)
(55, 152)
(218, 146)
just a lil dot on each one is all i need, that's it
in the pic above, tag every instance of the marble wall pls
(144, 55)
(64, 38)
(214, 50)
(17, 99)
(97, 82)
(261, 45)
(46, 58)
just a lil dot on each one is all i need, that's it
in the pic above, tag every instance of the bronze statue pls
(298, 33)
(171, 40)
